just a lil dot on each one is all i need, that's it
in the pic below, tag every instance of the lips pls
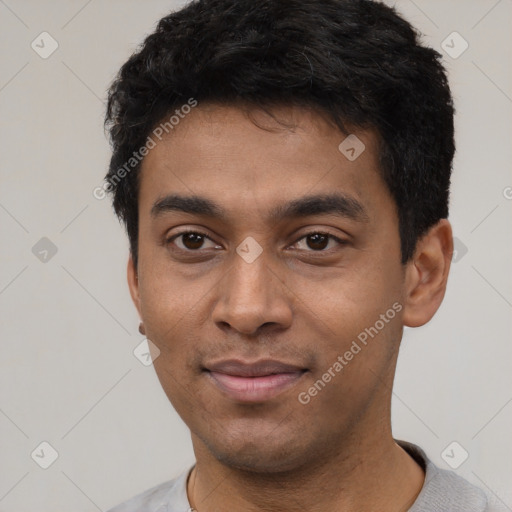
(253, 382)
(257, 369)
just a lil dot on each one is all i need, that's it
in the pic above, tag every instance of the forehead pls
(248, 159)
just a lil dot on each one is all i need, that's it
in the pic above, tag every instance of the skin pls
(295, 303)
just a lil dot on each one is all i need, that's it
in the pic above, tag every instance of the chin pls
(257, 461)
(258, 454)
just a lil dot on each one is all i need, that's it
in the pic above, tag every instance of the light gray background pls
(68, 375)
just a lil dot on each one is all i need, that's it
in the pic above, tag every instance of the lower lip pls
(254, 389)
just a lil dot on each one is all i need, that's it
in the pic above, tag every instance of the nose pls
(252, 295)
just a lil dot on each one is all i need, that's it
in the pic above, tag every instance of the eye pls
(192, 241)
(318, 241)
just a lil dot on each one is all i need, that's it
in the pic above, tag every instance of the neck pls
(375, 474)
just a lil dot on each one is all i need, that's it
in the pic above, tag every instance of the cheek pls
(352, 299)
(167, 311)
(167, 296)
(355, 371)
(358, 328)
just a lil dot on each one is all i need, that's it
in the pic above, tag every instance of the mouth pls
(253, 382)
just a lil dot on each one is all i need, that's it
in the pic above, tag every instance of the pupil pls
(317, 241)
(193, 241)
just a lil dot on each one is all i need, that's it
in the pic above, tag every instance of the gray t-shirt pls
(442, 491)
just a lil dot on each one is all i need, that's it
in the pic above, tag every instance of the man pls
(282, 168)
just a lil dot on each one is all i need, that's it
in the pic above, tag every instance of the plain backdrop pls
(68, 374)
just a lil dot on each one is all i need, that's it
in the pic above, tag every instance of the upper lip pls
(259, 368)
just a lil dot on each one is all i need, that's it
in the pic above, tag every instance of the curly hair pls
(356, 61)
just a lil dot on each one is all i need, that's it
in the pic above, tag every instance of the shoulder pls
(165, 497)
(448, 491)
(445, 491)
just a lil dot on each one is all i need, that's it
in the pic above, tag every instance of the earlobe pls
(427, 274)
(133, 284)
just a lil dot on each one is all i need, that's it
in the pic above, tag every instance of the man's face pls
(302, 301)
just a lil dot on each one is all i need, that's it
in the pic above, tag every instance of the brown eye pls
(192, 241)
(317, 241)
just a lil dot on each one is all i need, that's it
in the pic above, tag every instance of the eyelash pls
(200, 233)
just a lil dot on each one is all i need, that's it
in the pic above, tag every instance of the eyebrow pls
(320, 204)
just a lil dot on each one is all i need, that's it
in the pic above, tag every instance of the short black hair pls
(356, 61)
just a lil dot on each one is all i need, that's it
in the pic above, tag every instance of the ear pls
(133, 284)
(426, 274)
